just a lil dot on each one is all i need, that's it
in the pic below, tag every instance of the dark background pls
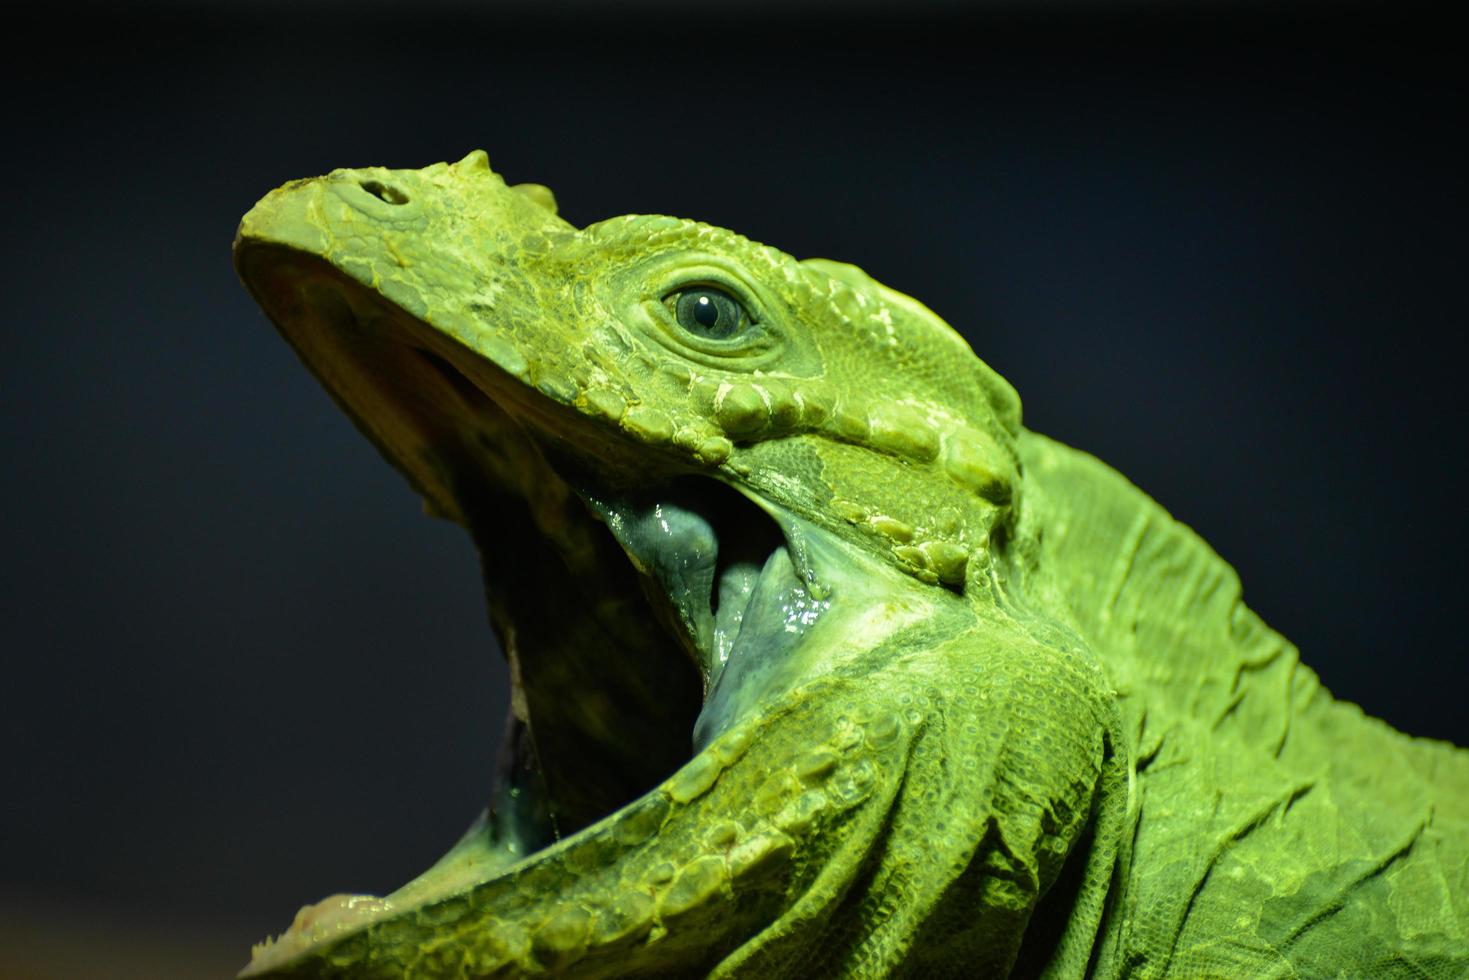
(1222, 249)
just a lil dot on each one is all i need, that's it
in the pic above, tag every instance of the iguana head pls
(675, 449)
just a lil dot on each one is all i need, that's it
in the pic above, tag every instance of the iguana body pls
(972, 704)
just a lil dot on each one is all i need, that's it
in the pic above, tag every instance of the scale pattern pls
(1042, 735)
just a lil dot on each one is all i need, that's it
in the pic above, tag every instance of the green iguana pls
(821, 664)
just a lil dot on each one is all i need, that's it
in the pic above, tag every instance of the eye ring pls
(709, 312)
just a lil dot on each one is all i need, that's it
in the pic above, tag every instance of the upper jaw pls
(480, 444)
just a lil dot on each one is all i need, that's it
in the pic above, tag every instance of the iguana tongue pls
(677, 548)
(737, 584)
(773, 621)
(702, 548)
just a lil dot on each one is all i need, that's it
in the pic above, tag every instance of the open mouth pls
(621, 585)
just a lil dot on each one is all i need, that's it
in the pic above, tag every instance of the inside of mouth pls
(701, 548)
(591, 729)
(618, 603)
(614, 648)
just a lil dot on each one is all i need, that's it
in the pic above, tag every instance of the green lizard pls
(821, 663)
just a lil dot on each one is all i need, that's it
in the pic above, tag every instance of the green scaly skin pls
(963, 701)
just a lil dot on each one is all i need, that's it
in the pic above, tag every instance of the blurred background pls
(1219, 245)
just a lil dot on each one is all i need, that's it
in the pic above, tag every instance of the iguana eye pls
(711, 313)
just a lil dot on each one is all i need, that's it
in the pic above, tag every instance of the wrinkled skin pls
(822, 663)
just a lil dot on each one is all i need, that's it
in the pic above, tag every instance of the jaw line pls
(463, 433)
(477, 860)
(430, 406)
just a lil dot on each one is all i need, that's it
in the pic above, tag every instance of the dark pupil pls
(705, 311)
(710, 313)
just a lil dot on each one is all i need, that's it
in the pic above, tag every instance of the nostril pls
(383, 192)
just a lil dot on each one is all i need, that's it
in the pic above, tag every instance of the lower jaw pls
(482, 854)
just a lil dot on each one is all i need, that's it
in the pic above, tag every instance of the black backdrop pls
(1222, 250)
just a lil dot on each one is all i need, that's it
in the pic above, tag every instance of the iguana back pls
(1277, 831)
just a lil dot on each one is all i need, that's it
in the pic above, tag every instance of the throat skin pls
(934, 696)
